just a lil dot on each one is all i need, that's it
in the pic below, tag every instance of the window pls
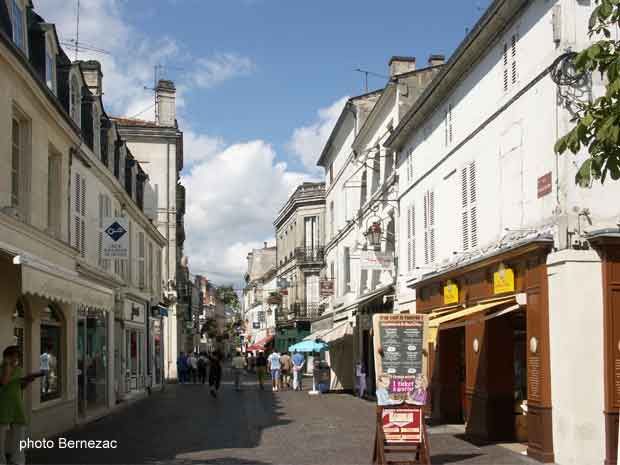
(54, 193)
(409, 164)
(79, 213)
(509, 60)
(448, 129)
(376, 171)
(49, 71)
(19, 332)
(151, 282)
(331, 174)
(105, 211)
(429, 227)
(411, 238)
(311, 232)
(141, 264)
(16, 158)
(51, 353)
(18, 24)
(75, 100)
(389, 164)
(468, 203)
(331, 218)
(346, 259)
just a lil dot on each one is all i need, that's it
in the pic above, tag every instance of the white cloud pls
(307, 142)
(232, 200)
(224, 66)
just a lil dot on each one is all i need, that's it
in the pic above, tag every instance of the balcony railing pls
(310, 255)
(299, 311)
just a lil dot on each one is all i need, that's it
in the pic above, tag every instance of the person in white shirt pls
(274, 367)
(44, 361)
(238, 364)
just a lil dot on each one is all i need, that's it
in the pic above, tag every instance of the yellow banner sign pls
(450, 293)
(503, 281)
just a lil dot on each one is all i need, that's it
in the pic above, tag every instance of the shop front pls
(489, 347)
(131, 348)
(92, 360)
(157, 353)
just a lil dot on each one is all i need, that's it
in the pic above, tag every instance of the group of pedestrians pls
(193, 368)
(280, 367)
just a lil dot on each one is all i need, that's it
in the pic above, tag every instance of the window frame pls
(75, 99)
(18, 40)
(59, 323)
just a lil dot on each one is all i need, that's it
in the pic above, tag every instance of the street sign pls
(326, 287)
(116, 238)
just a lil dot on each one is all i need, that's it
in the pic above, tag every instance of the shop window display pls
(50, 358)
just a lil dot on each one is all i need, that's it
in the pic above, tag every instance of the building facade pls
(62, 298)
(512, 261)
(300, 239)
(159, 144)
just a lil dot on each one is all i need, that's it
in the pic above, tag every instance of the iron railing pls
(310, 255)
(299, 311)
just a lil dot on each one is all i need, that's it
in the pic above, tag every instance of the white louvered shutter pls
(505, 68)
(141, 264)
(429, 227)
(513, 53)
(469, 214)
(432, 224)
(83, 218)
(411, 265)
(101, 205)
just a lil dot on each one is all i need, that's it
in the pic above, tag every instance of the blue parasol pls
(308, 346)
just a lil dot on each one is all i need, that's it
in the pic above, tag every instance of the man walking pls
(215, 372)
(274, 367)
(298, 365)
(202, 367)
(182, 368)
(238, 364)
(192, 368)
(287, 366)
(261, 368)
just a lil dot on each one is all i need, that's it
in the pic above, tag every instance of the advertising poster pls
(400, 358)
(116, 238)
(402, 425)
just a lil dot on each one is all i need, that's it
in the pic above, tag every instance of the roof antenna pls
(76, 44)
(366, 73)
(158, 72)
(77, 30)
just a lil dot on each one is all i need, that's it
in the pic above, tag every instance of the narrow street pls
(185, 425)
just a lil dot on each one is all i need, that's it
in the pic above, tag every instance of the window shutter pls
(472, 202)
(505, 67)
(514, 58)
(141, 264)
(468, 202)
(465, 212)
(411, 238)
(426, 235)
(450, 131)
(100, 235)
(432, 224)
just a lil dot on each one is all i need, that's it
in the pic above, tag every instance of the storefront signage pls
(256, 325)
(544, 185)
(116, 238)
(503, 280)
(450, 293)
(402, 425)
(400, 364)
(377, 260)
(326, 287)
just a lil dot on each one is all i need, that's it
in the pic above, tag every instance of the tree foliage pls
(598, 122)
(228, 296)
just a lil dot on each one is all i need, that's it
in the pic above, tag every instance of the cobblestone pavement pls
(185, 425)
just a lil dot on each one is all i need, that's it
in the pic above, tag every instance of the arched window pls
(75, 100)
(51, 353)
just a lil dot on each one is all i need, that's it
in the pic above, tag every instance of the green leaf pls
(593, 18)
(560, 145)
(594, 51)
(584, 175)
(605, 11)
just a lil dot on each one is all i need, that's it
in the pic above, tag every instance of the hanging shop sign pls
(115, 240)
(376, 260)
(256, 324)
(544, 185)
(450, 293)
(326, 287)
(503, 280)
(274, 299)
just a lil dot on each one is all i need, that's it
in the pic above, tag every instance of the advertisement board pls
(115, 241)
(402, 425)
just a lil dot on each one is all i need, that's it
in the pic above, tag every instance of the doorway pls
(450, 375)
(92, 351)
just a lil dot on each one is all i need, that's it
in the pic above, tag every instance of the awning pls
(331, 335)
(444, 317)
(368, 297)
(260, 345)
(63, 285)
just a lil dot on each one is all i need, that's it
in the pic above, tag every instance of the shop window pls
(51, 353)
(18, 330)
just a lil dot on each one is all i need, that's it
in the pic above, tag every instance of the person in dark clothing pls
(261, 369)
(215, 372)
(202, 367)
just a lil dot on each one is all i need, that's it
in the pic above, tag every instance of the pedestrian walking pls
(261, 369)
(192, 368)
(182, 368)
(360, 373)
(12, 412)
(251, 361)
(274, 367)
(202, 367)
(239, 364)
(287, 367)
(298, 366)
(215, 372)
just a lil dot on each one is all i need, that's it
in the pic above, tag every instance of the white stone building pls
(513, 261)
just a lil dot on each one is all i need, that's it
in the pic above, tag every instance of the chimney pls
(436, 60)
(265, 244)
(92, 75)
(400, 65)
(166, 103)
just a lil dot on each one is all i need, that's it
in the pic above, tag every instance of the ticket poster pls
(402, 425)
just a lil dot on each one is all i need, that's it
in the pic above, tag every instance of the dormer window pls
(49, 71)
(76, 98)
(17, 20)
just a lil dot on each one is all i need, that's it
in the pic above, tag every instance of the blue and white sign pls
(116, 238)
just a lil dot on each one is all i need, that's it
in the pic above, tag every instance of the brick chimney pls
(400, 65)
(265, 244)
(166, 103)
(436, 60)
(93, 76)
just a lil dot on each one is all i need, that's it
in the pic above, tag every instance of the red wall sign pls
(402, 425)
(544, 185)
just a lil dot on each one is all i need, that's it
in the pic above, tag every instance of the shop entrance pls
(92, 360)
(449, 375)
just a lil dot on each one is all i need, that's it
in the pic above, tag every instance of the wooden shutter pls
(469, 231)
(513, 54)
(101, 202)
(505, 61)
(411, 238)
(429, 227)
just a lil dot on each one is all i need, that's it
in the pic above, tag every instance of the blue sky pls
(260, 86)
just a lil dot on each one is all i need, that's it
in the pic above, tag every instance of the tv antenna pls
(78, 46)
(158, 72)
(366, 73)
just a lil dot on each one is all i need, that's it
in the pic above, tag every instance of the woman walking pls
(215, 372)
